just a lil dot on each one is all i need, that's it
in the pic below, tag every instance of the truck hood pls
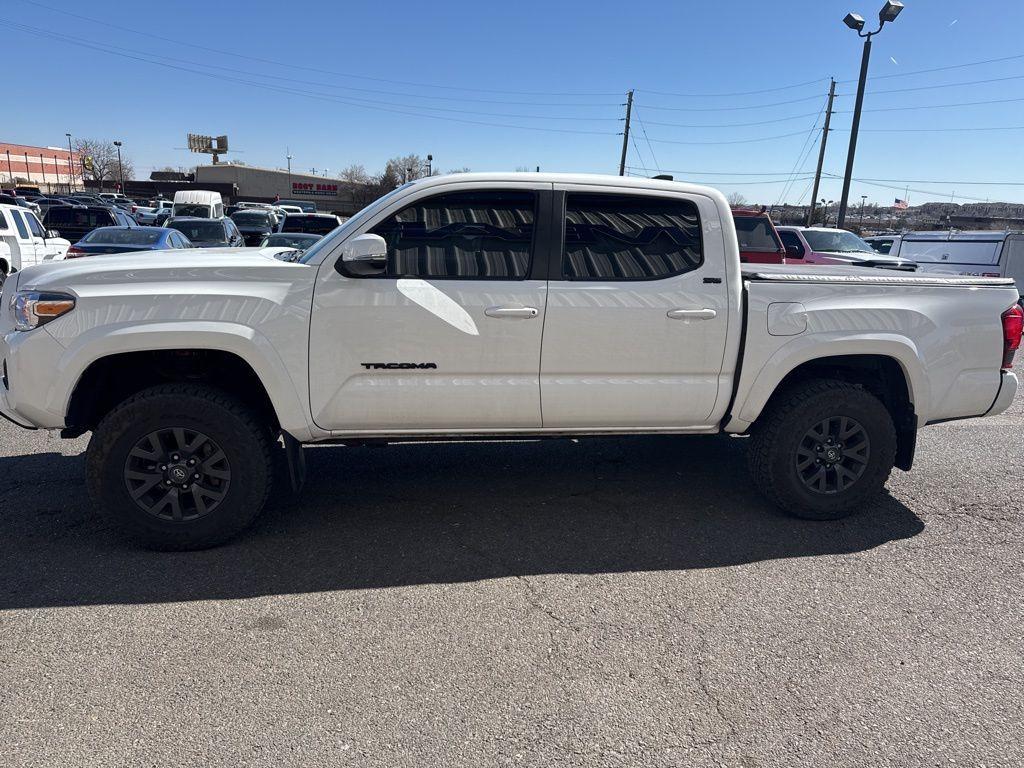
(165, 266)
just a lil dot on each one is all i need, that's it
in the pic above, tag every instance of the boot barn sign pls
(314, 189)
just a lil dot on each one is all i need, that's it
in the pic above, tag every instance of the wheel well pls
(4, 267)
(111, 380)
(882, 376)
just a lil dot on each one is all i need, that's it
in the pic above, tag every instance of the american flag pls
(901, 205)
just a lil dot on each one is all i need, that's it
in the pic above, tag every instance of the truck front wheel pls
(822, 449)
(180, 467)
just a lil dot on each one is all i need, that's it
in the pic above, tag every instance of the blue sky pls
(447, 78)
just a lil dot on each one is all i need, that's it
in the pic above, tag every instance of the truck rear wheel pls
(822, 449)
(180, 467)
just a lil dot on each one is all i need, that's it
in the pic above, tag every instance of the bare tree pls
(736, 199)
(99, 160)
(355, 174)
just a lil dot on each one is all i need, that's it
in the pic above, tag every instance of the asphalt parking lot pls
(606, 603)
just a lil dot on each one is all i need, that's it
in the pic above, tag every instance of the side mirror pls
(363, 255)
(794, 252)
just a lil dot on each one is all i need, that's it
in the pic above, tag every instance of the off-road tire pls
(234, 428)
(773, 450)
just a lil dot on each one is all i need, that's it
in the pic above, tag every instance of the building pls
(49, 168)
(264, 185)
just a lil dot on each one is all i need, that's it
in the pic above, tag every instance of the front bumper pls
(1007, 391)
(7, 413)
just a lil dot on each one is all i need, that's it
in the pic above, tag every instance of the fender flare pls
(751, 400)
(242, 341)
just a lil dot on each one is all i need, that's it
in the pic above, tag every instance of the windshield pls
(837, 241)
(319, 225)
(201, 231)
(756, 233)
(296, 240)
(122, 237)
(251, 219)
(192, 209)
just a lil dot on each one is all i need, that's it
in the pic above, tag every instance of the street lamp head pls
(854, 21)
(890, 11)
(117, 143)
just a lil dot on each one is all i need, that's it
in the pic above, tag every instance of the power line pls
(942, 69)
(732, 141)
(944, 85)
(732, 109)
(735, 93)
(932, 106)
(643, 129)
(281, 63)
(737, 125)
(911, 189)
(939, 130)
(805, 147)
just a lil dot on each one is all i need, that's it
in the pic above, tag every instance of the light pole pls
(863, 202)
(289, 157)
(10, 173)
(430, 166)
(889, 12)
(120, 168)
(71, 164)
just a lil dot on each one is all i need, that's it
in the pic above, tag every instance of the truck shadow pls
(429, 513)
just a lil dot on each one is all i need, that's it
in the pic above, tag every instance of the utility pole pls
(821, 152)
(288, 154)
(120, 168)
(625, 133)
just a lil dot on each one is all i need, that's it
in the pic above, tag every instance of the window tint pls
(317, 225)
(482, 234)
(755, 233)
(882, 246)
(791, 238)
(3, 220)
(79, 217)
(34, 225)
(20, 224)
(627, 237)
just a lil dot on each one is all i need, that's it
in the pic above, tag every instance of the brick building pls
(49, 168)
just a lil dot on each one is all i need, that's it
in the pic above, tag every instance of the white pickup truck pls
(486, 306)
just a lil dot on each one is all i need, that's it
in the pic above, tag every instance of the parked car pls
(18, 200)
(127, 239)
(299, 241)
(113, 197)
(208, 233)
(255, 224)
(820, 245)
(284, 210)
(983, 253)
(198, 203)
(75, 223)
(147, 215)
(25, 242)
(883, 244)
(423, 317)
(313, 223)
(758, 240)
(47, 202)
(305, 206)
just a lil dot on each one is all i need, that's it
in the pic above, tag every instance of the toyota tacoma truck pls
(491, 306)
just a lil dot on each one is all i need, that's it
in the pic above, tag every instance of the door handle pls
(512, 312)
(691, 314)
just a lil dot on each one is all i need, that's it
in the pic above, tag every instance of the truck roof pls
(945, 234)
(592, 179)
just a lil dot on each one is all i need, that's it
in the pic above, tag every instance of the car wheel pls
(822, 449)
(180, 467)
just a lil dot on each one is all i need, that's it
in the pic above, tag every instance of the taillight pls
(1013, 325)
(135, 208)
(74, 252)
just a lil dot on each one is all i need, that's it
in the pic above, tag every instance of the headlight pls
(33, 308)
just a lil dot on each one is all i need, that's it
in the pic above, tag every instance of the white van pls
(982, 254)
(199, 203)
(24, 242)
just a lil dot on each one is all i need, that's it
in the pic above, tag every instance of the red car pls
(758, 238)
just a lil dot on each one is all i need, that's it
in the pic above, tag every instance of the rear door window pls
(756, 233)
(952, 251)
(792, 239)
(34, 225)
(19, 222)
(629, 237)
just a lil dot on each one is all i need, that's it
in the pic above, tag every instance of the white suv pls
(24, 242)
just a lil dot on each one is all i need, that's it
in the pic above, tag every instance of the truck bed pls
(822, 273)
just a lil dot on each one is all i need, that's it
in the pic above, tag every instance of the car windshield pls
(192, 209)
(319, 225)
(836, 241)
(251, 219)
(201, 231)
(122, 237)
(756, 233)
(294, 240)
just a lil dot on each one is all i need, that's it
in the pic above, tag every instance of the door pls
(26, 242)
(447, 335)
(635, 329)
(45, 251)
